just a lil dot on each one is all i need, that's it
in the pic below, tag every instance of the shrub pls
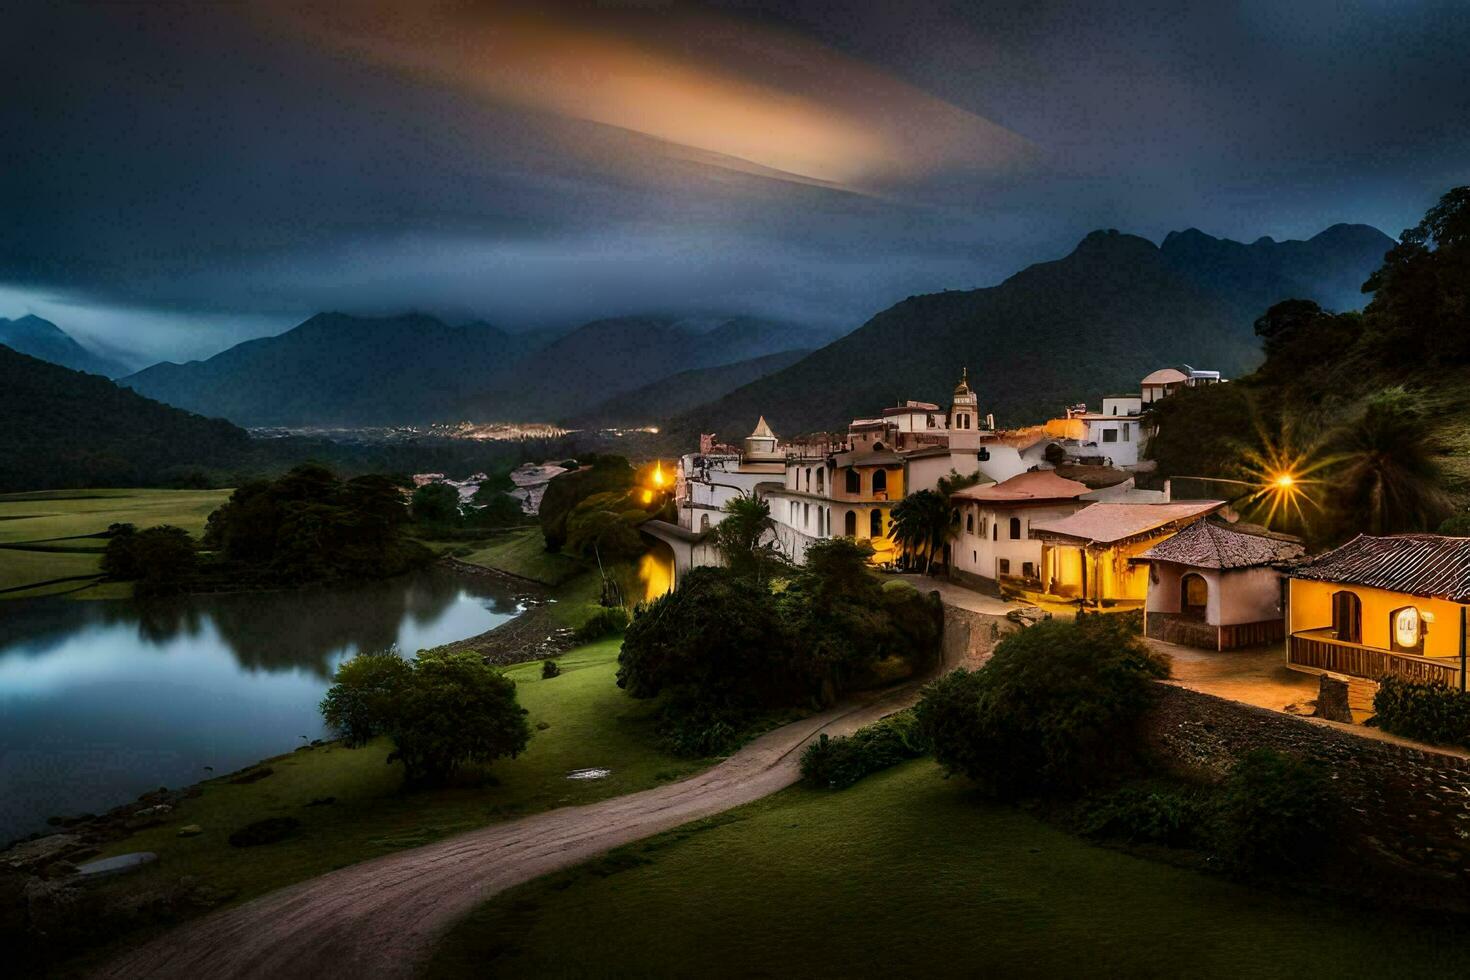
(1054, 709)
(453, 711)
(604, 621)
(160, 560)
(1433, 712)
(362, 700)
(837, 763)
(1168, 815)
(550, 669)
(1276, 812)
(690, 728)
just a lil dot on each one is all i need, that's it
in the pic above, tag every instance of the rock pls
(252, 776)
(1026, 615)
(267, 831)
(1332, 699)
(35, 854)
(121, 864)
(190, 830)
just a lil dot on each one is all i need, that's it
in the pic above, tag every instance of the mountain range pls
(341, 370)
(65, 428)
(45, 340)
(1089, 324)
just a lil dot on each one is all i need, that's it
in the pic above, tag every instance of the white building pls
(1166, 381)
(711, 478)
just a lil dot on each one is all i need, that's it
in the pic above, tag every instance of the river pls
(103, 700)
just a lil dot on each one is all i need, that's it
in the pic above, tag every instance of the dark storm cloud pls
(814, 160)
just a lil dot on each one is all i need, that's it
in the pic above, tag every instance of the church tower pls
(964, 416)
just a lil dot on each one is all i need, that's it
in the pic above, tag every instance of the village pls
(1051, 519)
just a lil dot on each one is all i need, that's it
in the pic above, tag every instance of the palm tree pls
(922, 522)
(743, 537)
(1390, 480)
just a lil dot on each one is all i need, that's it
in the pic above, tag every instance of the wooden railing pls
(1360, 661)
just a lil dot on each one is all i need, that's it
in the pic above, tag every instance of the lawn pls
(908, 874)
(523, 553)
(590, 723)
(48, 536)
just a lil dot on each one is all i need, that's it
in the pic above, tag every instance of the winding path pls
(382, 917)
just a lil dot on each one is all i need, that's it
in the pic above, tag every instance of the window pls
(1127, 432)
(969, 523)
(849, 524)
(1028, 570)
(1005, 566)
(809, 478)
(1015, 529)
(806, 515)
(1110, 435)
(975, 557)
(880, 482)
(854, 481)
(1406, 628)
(821, 479)
(703, 522)
(792, 508)
(1347, 617)
(995, 531)
(875, 523)
(930, 419)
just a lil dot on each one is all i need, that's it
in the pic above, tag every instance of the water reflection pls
(102, 700)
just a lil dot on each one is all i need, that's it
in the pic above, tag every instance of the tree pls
(160, 560)
(1421, 303)
(362, 702)
(1390, 480)
(745, 537)
(600, 474)
(436, 503)
(455, 710)
(1053, 708)
(922, 522)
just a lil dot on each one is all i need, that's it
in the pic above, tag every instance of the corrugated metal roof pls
(1417, 564)
(1207, 543)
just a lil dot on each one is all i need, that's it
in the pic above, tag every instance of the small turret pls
(762, 445)
(964, 415)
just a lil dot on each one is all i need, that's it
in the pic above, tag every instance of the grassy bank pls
(50, 537)
(909, 874)
(522, 553)
(589, 723)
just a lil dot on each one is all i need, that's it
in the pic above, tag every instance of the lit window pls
(1408, 628)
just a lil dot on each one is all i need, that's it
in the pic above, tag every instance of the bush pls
(435, 503)
(1053, 710)
(362, 701)
(455, 710)
(1432, 712)
(837, 763)
(695, 729)
(1167, 815)
(549, 669)
(161, 560)
(605, 621)
(1276, 812)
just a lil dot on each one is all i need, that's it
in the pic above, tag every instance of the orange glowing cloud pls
(796, 108)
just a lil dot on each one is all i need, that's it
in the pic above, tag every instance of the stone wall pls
(970, 637)
(1406, 811)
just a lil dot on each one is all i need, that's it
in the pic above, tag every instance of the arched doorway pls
(1194, 595)
(1347, 617)
(849, 524)
(875, 523)
(880, 482)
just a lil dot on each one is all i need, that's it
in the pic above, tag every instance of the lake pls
(103, 700)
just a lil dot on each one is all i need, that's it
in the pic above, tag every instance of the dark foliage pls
(309, 526)
(1276, 813)
(435, 503)
(61, 428)
(550, 669)
(271, 830)
(361, 702)
(1054, 709)
(596, 475)
(159, 560)
(454, 711)
(1432, 712)
(837, 763)
(606, 621)
(1166, 814)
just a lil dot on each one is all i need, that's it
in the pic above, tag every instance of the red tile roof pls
(1208, 543)
(1034, 486)
(1106, 523)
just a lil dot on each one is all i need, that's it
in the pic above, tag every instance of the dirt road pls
(381, 918)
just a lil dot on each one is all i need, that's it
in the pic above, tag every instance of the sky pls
(180, 175)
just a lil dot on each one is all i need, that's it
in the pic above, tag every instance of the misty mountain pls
(45, 340)
(336, 369)
(656, 403)
(607, 358)
(1092, 323)
(1329, 268)
(65, 428)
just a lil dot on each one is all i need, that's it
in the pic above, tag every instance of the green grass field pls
(592, 723)
(523, 552)
(908, 874)
(47, 536)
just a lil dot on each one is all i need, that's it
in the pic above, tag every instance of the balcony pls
(1320, 650)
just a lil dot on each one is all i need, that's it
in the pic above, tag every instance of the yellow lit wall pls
(1310, 608)
(656, 572)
